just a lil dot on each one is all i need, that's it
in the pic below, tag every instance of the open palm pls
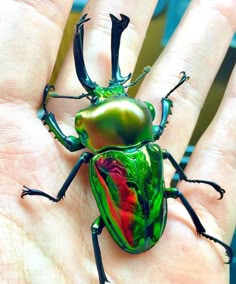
(45, 242)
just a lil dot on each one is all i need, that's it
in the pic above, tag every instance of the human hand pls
(50, 243)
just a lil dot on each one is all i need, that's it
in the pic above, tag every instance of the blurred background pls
(165, 19)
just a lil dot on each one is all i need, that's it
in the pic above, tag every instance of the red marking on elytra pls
(123, 213)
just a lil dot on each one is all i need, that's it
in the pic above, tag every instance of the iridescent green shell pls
(122, 121)
(128, 187)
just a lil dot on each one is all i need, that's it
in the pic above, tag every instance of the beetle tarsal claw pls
(25, 191)
(220, 190)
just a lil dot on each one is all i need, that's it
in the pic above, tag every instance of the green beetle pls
(126, 167)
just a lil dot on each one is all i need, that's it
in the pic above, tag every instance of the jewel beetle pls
(125, 165)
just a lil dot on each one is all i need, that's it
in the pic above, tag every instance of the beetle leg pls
(182, 176)
(166, 111)
(166, 108)
(70, 142)
(175, 193)
(181, 81)
(84, 158)
(96, 230)
(49, 89)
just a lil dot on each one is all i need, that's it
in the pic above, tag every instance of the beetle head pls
(96, 93)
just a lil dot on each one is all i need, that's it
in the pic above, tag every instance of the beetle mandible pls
(126, 166)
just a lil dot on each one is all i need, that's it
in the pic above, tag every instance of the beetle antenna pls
(140, 77)
(55, 95)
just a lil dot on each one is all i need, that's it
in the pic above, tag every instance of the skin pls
(42, 242)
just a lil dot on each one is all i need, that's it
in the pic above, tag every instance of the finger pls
(214, 158)
(30, 36)
(97, 42)
(198, 47)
